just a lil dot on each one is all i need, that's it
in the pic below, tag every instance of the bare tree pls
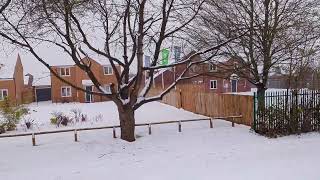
(276, 28)
(119, 31)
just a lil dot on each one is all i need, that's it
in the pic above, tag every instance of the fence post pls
(149, 129)
(180, 95)
(75, 135)
(232, 121)
(211, 125)
(114, 132)
(179, 126)
(33, 140)
(254, 111)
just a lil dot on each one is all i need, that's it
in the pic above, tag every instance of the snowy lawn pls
(198, 153)
(98, 114)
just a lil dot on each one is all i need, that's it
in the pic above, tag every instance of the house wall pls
(56, 85)
(222, 75)
(77, 75)
(15, 86)
(10, 85)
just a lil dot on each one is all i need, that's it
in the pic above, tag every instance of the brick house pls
(12, 82)
(218, 78)
(62, 92)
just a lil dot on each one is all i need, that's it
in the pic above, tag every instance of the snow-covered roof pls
(87, 82)
(43, 79)
(7, 66)
(7, 71)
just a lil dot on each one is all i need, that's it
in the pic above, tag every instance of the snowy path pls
(198, 153)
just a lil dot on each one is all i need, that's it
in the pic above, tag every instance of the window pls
(3, 94)
(107, 88)
(65, 71)
(213, 84)
(107, 70)
(212, 67)
(66, 91)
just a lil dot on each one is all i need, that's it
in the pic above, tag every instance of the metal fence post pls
(254, 111)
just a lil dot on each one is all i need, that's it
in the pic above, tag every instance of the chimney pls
(30, 80)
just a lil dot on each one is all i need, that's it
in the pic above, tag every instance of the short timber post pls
(114, 132)
(33, 140)
(179, 126)
(211, 125)
(232, 121)
(75, 135)
(149, 129)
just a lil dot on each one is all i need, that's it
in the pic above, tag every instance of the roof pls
(42, 79)
(8, 66)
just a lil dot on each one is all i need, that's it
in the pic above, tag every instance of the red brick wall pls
(77, 75)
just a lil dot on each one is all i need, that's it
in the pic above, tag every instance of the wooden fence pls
(210, 104)
(179, 122)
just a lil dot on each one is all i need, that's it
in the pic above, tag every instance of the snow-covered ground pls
(198, 153)
(98, 114)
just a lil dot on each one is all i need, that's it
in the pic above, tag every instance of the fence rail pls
(75, 130)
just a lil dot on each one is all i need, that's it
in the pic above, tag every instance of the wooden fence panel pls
(210, 104)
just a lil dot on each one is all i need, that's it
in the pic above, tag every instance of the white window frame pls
(212, 83)
(107, 88)
(1, 94)
(213, 65)
(67, 95)
(65, 71)
(109, 70)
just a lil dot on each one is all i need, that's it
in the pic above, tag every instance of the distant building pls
(12, 82)
(62, 92)
(306, 78)
(217, 77)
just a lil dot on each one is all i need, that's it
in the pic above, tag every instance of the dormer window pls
(213, 67)
(107, 70)
(65, 71)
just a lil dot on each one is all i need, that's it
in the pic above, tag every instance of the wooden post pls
(180, 98)
(75, 135)
(149, 129)
(232, 121)
(114, 132)
(33, 140)
(179, 126)
(211, 125)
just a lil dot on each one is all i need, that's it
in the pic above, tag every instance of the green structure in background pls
(165, 57)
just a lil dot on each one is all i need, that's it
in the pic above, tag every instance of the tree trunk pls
(127, 123)
(261, 90)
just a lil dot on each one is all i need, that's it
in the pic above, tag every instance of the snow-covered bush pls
(98, 117)
(11, 115)
(60, 119)
(28, 122)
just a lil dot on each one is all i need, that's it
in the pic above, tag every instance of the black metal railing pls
(287, 112)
